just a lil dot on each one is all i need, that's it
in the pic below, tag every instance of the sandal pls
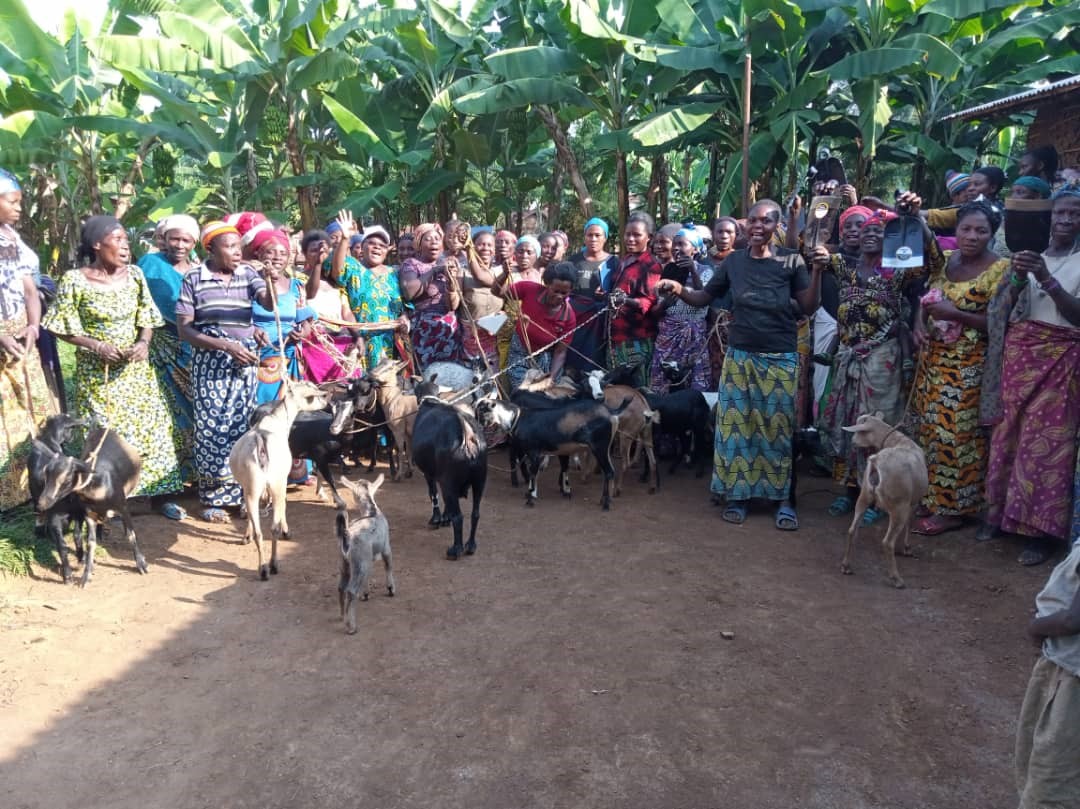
(217, 515)
(735, 512)
(173, 511)
(787, 519)
(872, 515)
(936, 525)
(1035, 553)
(841, 505)
(986, 532)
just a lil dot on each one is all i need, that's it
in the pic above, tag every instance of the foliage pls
(404, 110)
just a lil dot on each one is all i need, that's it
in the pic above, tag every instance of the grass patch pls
(20, 547)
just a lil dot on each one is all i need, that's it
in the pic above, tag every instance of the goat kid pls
(260, 462)
(103, 477)
(363, 540)
(635, 427)
(56, 432)
(895, 480)
(400, 410)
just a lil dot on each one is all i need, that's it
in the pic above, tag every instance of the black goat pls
(103, 477)
(561, 429)
(56, 432)
(449, 447)
(684, 417)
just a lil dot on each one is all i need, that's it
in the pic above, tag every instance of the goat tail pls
(342, 526)
(470, 442)
(262, 454)
(873, 476)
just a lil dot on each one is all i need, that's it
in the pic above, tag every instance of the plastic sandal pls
(841, 505)
(173, 511)
(787, 519)
(872, 515)
(735, 513)
(215, 515)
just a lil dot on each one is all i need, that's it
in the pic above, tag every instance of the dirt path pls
(577, 661)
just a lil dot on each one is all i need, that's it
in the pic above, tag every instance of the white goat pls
(260, 462)
(362, 540)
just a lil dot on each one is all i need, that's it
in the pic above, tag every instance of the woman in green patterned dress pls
(105, 310)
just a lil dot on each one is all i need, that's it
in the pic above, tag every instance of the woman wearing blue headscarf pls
(594, 266)
(682, 327)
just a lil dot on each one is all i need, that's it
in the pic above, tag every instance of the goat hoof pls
(264, 574)
(470, 548)
(142, 567)
(364, 597)
(606, 506)
(445, 521)
(846, 570)
(286, 535)
(350, 630)
(454, 552)
(897, 582)
(79, 555)
(390, 591)
(274, 568)
(652, 490)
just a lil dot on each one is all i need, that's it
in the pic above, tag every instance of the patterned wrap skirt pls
(639, 352)
(26, 400)
(224, 398)
(681, 340)
(171, 361)
(755, 425)
(435, 337)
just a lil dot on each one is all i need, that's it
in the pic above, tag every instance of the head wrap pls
(355, 239)
(530, 240)
(180, 221)
(247, 237)
(211, 230)
(692, 236)
(1036, 184)
(669, 230)
(1070, 190)
(267, 235)
(508, 233)
(600, 223)
(244, 221)
(880, 217)
(375, 230)
(333, 227)
(562, 237)
(94, 230)
(855, 210)
(956, 181)
(420, 231)
(8, 183)
(478, 229)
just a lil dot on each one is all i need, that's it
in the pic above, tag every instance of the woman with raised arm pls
(429, 282)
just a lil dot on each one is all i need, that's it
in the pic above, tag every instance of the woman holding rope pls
(25, 397)
(545, 315)
(106, 311)
(427, 282)
(328, 345)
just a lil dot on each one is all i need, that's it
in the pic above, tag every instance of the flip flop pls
(871, 516)
(987, 532)
(173, 511)
(216, 515)
(933, 526)
(787, 519)
(735, 513)
(1034, 553)
(841, 505)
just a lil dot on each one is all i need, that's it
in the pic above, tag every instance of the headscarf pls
(600, 223)
(247, 237)
(333, 227)
(355, 239)
(1070, 190)
(244, 221)
(94, 230)
(669, 230)
(269, 235)
(508, 233)
(420, 231)
(562, 237)
(855, 210)
(692, 236)
(211, 230)
(956, 181)
(8, 183)
(1036, 184)
(880, 217)
(528, 238)
(180, 221)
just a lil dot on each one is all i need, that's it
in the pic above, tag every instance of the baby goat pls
(895, 480)
(362, 539)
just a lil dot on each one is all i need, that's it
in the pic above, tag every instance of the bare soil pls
(653, 656)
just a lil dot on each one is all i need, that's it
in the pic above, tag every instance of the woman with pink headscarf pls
(430, 282)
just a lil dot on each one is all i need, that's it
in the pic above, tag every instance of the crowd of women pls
(975, 351)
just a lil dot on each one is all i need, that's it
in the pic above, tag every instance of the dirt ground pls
(652, 656)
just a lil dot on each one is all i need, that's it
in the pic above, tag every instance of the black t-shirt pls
(764, 317)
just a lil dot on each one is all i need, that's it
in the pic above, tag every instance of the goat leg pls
(477, 494)
(343, 583)
(388, 566)
(888, 547)
(866, 499)
(453, 511)
(564, 475)
(92, 536)
(54, 530)
(129, 532)
(433, 493)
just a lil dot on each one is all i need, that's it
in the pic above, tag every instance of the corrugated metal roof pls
(1018, 100)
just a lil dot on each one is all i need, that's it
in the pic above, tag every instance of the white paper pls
(492, 323)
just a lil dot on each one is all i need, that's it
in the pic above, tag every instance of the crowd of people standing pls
(968, 350)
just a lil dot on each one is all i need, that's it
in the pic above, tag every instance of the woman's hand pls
(138, 352)
(242, 355)
(262, 339)
(348, 224)
(942, 310)
(11, 345)
(820, 257)
(301, 331)
(107, 351)
(1027, 262)
(668, 286)
(909, 200)
(848, 194)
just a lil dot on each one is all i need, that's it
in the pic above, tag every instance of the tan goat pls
(895, 480)
(399, 408)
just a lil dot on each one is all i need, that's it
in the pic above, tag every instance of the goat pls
(895, 480)
(450, 449)
(559, 429)
(102, 477)
(684, 416)
(49, 443)
(454, 376)
(260, 462)
(362, 540)
(635, 426)
(400, 410)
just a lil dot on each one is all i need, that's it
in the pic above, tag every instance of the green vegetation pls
(405, 110)
(19, 546)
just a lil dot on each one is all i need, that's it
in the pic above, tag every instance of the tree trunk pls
(127, 188)
(89, 169)
(622, 190)
(657, 184)
(567, 157)
(554, 213)
(308, 218)
(712, 204)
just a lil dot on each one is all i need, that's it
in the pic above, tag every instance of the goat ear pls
(375, 484)
(434, 376)
(348, 484)
(341, 524)
(854, 428)
(879, 414)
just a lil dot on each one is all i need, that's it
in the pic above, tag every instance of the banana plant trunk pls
(567, 158)
(308, 218)
(622, 189)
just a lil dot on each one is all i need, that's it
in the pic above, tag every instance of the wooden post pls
(746, 127)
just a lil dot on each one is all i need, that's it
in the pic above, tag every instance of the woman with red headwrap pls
(867, 374)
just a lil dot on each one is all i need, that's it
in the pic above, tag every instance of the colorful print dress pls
(947, 388)
(373, 297)
(124, 396)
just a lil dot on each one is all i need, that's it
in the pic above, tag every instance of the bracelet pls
(1050, 285)
(1017, 281)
